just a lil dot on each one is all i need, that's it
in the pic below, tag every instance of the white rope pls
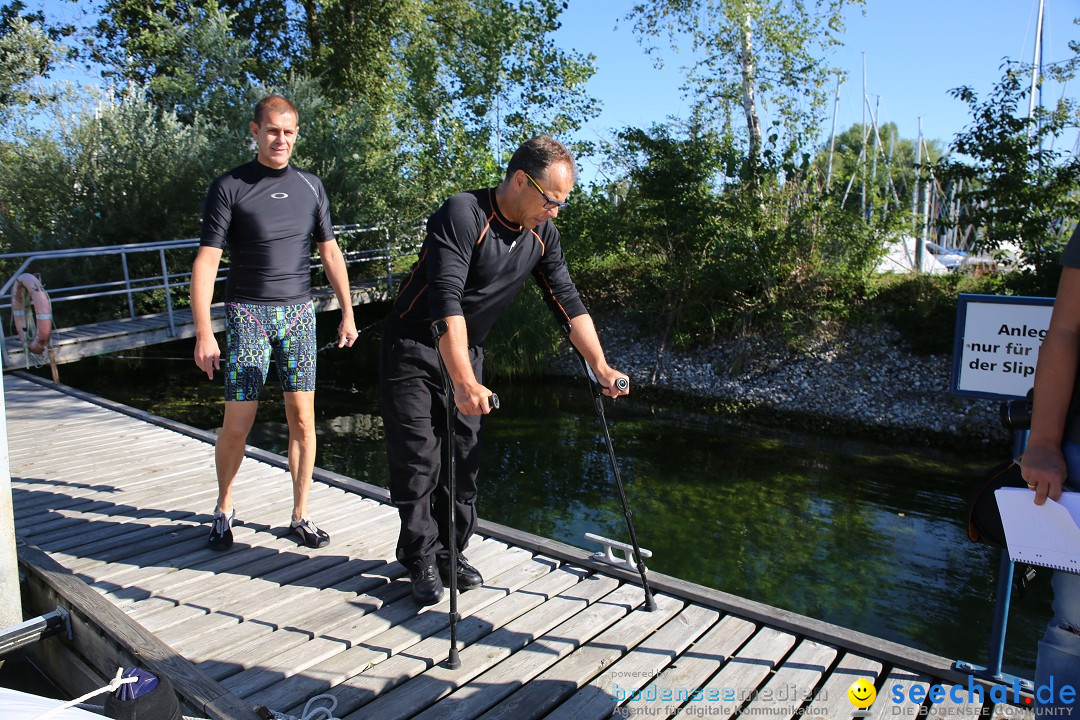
(318, 713)
(115, 683)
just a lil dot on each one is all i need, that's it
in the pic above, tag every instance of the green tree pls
(113, 171)
(27, 54)
(1016, 186)
(108, 170)
(752, 51)
(886, 160)
(455, 85)
(672, 211)
(695, 254)
(187, 55)
(470, 80)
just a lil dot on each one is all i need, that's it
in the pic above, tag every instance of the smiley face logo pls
(862, 693)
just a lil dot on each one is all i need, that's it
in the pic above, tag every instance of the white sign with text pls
(997, 344)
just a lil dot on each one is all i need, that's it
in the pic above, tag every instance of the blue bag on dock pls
(148, 698)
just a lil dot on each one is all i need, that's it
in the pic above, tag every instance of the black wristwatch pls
(438, 329)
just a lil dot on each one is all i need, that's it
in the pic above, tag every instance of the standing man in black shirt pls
(267, 212)
(480, 248)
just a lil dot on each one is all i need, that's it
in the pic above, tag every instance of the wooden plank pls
(188, 549)
(118, 502)
(165, 609)
(726, 690)
(190, 484)
(233, 660)
(208, 589)
(111, 638)
(383, 604)
(885, 705)
(561, 594)
(831, 700)
(309, 570)
(783, 696)
(802, 625)
(137, 542)
(744, 673)
(119, 540)
(85, 434)
(693, 668)
(254, 556)
(83, 559)
(492, 686)
(405, 664)
(82, 531)
(33, 498)
(355, 639)
(171, 460)
(626, 677)
(89, 435)
(251, 609)
(567, 676)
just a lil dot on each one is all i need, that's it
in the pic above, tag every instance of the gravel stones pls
(863, 379)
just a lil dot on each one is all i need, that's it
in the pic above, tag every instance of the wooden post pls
(10, 600)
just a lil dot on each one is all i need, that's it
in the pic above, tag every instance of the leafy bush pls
(923, 307)
(693, 254)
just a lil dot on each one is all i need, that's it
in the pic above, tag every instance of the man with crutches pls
(480, 248)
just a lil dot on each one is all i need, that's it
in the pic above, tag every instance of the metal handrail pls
(168, 280)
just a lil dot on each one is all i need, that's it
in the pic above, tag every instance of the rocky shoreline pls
(861, 381)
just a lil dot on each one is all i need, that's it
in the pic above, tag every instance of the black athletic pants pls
(414, 421)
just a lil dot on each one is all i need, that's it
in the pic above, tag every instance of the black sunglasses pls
(549, 204)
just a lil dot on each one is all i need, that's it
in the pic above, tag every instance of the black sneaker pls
(221, 531)
(468, 577)
(427, 588)
(310, 535)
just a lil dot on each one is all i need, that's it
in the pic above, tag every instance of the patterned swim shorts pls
(254, 333)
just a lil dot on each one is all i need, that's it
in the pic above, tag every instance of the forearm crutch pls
(598, 401)
(453, 660)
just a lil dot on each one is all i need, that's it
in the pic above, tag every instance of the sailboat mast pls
(1036, 62)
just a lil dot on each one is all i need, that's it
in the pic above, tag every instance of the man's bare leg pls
(229, 449)
(300, 412)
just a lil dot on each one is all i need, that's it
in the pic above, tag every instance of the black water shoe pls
(468, 577)
(221, 531)
(310, 535)
(427, 588)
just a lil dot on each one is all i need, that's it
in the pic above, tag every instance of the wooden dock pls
(74, 343)
(112, 509)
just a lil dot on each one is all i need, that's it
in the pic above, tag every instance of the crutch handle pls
(622, 384)
(493, 401)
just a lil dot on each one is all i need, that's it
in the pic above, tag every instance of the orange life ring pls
(28, 288)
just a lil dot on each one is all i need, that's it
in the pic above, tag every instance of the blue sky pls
(916, 51)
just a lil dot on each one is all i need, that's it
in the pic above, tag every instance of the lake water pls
(866, 535)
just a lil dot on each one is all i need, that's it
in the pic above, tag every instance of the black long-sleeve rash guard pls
(268, 219)
(473, 263)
